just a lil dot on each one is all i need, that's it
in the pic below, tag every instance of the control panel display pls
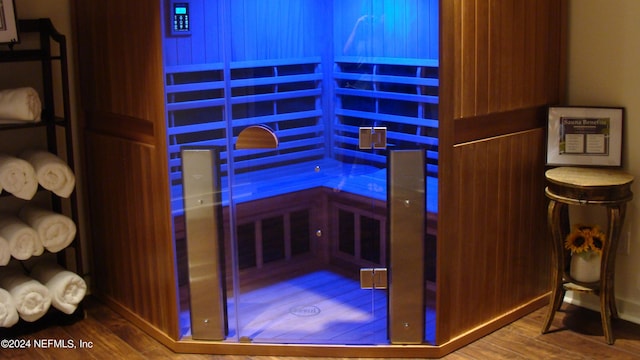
(180, 22)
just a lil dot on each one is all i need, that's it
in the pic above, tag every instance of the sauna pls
(300, 234)
(351, 178)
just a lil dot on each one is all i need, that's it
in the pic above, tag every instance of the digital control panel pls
(180, 21)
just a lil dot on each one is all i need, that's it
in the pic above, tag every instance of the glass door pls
(306, 220)
(333, 95)
(306, 232)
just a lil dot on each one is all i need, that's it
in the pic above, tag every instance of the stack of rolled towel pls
(29, 296)
(52, 173)
(21, 175)
(24, 294)
(55, 231)
(22, 240)
(8, 313)
(18, 177)
(20, 105)
(32, 231)
(66, 288)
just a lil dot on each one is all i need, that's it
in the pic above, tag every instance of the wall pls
(59, 11)
(603, 71)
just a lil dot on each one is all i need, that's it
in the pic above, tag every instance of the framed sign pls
(584, 136)
(8, 27)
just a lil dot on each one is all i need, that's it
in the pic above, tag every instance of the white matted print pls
(590, 136)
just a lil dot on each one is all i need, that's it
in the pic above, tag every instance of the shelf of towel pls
(39, 62)
(29, 292)
(31, 234)
(17, 124)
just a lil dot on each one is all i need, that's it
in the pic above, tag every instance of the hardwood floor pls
(576, 334)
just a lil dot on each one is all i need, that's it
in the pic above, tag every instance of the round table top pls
(581, 176)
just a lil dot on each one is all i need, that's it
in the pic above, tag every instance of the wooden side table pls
(586, 186)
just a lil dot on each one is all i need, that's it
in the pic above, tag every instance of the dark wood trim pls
(396, 351)
(498, 124)
(446, 190)
(487, 328)
(125, 311)
(121, 126)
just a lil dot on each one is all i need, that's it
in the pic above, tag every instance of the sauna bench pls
(320, 188)
(363, 180)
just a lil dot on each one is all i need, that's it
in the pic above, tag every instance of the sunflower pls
(585, 238)
(577, 241)
(597, 240)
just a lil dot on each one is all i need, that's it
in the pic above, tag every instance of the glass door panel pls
(341, 84)
(294, 285)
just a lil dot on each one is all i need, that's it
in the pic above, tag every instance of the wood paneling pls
(279, 29)
(133, 252)
(120, 59)
(499, 252)
(506, 66)
(123, 123)
(506, 55)
(497, 124)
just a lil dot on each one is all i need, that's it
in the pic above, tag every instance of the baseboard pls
(627, 310)
(190, 346)
(138, 321)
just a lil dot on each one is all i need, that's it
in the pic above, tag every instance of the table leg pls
(608, 308)
(555, 210)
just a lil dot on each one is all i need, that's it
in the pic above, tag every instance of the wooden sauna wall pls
(506, 67)
(124, 149)
(388, 29)
(261, 30)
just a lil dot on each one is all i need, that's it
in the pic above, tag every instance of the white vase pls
(585, 267)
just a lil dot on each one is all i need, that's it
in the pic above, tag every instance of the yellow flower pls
(585, 238)
(577, 242)
(597, 240)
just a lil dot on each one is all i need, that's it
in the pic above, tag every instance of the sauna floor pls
(318, 307)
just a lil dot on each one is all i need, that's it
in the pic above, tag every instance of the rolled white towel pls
(31, 298)
(23, 240)
(20, 104)
(18, 177)
(55, 231)
(52, 172)
(8, 313)
(66, 288)
(5, 251)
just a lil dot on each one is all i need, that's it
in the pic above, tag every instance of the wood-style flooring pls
(577, 334)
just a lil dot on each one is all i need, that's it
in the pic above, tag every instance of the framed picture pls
(589, 136)
(8, 22)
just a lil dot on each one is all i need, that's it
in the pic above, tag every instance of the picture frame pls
(584, 136)
(8, 23)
